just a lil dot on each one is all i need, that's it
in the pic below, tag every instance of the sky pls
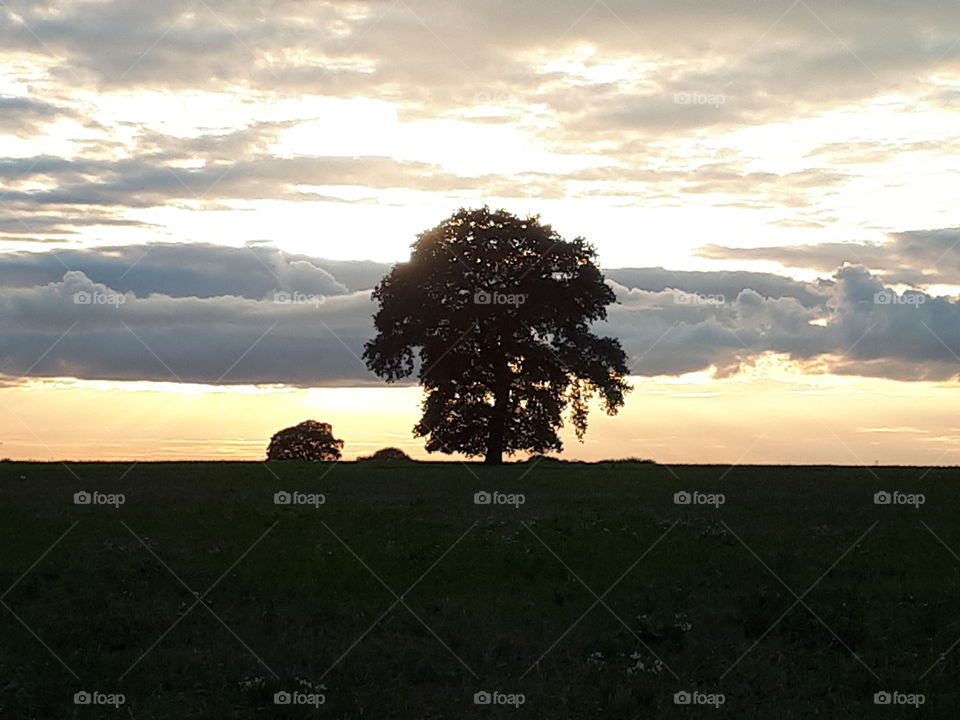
(196, 198)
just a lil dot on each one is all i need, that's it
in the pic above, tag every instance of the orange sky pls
(769, 414)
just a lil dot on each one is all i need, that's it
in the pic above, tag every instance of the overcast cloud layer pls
(917, 258)
(207, 314)
(176, 104)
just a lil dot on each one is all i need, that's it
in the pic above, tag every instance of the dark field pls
(399, 597)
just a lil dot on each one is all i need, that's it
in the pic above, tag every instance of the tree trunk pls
(498, 421)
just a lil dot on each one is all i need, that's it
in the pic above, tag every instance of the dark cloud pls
(861, 328)
(155, 320)
(916, 257)
(193, 270)
(59, 224)
(726, 283)
(160, 178)
(226, 340)
(25, 116)
(258, 269)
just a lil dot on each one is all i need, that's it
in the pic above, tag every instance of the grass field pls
(399, 597)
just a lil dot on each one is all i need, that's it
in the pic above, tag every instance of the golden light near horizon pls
(772, 413)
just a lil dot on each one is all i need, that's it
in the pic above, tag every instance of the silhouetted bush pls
(387, 455)
(545, 459)
(310, 440)
(639, 461)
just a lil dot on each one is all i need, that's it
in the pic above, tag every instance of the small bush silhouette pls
(390, 454)
(636, 460)
(310, 440)
(545, 459)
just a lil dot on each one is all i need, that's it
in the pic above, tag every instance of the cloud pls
(729, 284)
(41, 227)
(143, 182)
(79, 328)
(654, 88)
(861, 328)
(223, 322)
(200, 270)
(210, 169)
(25, 116)
(769, 59)
(915, 257)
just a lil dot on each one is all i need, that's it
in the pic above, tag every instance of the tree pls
(498, 311)
(310, 440)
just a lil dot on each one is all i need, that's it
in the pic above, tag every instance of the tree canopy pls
(310, 440)
(494, 312)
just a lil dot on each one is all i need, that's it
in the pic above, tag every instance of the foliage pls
(493, 312)
(537, 459)
(310, 440)
(390, 454)
(642, 461)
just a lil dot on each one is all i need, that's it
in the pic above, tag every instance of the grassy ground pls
(399, 597)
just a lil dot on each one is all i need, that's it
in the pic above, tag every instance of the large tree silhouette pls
(494, 312)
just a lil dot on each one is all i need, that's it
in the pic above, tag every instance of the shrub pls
(390, 454)
(639, 461)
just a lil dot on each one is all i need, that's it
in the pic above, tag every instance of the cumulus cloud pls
(861, 327)
(200, 270)
(726, 283)
(259, 315)
(79, 328)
